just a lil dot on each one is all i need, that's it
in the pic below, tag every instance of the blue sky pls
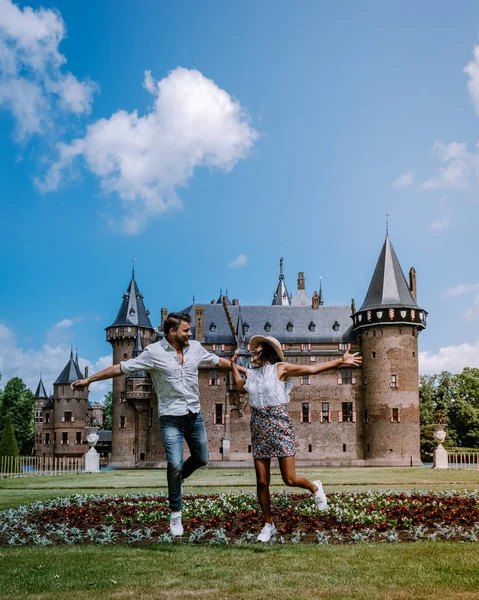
(190, 135)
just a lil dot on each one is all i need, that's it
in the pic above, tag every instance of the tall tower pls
(41, 398)
(387, 326)
(132, 320)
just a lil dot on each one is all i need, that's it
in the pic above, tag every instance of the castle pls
(367, 416)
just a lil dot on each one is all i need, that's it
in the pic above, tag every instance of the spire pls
(138, 346)
(240, 332)
(132, 310)
(388, 287)
(321, 299)
(70, 373)
(281, 296)
(41, 392)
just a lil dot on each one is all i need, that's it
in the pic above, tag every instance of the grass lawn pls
(294, 571)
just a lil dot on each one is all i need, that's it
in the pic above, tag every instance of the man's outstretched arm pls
(108, 373)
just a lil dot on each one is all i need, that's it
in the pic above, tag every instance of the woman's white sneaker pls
(320, 497)
(267, 532)
(176, 526)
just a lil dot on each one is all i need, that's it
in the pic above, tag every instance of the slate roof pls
(70, 373)
(41, 392)
(255, 317)
(388, 287)
(132, 310)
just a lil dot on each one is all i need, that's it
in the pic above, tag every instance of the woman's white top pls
(264, 387)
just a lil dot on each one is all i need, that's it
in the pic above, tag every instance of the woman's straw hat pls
(256, 340)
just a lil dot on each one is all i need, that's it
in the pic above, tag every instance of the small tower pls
(301, 298)
(131, 321)
(281, 296)
(387, 326)
(67, 412)
(41, 399)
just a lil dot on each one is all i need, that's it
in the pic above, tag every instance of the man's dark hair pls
(268, 354)
(173, 321)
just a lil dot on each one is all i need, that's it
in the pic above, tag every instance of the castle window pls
(346, 376)
(347, 410)
(132, 312)
(267, 326)
(394, 381)
(214, 379)
(336, 326)
(374, 354)
(78, 438)
(122, 422)
(305, 380)
(65, 437)
(125, 356)
(67, 417)
(54, 438)
(325, 414)
(245, 327)
(395, 415)
(344, 447)
(150, 417)
(289, 326)
(366, 415)
(344, 347)
(47, 439)
(213, 327)
(310, 448)
(219, 415)
(305, 416)
(249, 448)
(312, 326)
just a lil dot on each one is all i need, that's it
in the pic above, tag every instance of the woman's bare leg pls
(263, 477)
(288, 472)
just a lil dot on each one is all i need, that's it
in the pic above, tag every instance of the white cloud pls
(450, 358)
(240, 261)
(33, 85)
(64, 323)
(405, 179)
(50, 360)
(458, 162)
(472, 69)
(441, 223)
(144, 159)
(461, 289)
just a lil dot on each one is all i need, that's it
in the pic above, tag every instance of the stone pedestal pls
(226, 449)
(92, 461)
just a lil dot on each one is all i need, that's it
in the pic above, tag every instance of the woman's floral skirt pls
(272, 432)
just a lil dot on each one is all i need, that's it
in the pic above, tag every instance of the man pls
(173, 365)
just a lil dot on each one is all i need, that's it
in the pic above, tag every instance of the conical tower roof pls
(388, 287)
(41, 392)
(138, 345)
(281, 296)
(70, 373)
(132, 310)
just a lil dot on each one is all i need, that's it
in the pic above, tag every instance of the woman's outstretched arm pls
(286, 370)
(236, 373)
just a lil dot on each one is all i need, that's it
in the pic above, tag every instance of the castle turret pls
(387, 326)
(281, 296)
(41, 399)
(131, 327)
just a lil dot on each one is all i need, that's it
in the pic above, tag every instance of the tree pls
(107, 408)
(17, 400)
(8, 443)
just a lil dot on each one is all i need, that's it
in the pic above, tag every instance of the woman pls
(268, 386)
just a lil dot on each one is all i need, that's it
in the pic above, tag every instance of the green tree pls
(107, 408)
(17, 400)
(8, 443)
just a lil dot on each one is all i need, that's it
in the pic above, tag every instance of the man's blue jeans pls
(174, 430)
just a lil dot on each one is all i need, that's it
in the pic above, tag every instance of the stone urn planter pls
(440, 453)
(92, 459)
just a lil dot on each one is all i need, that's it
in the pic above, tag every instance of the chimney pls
(236, 302)
(412, 282)
(353, 306)
(164, 314)
(301, 282)
(199, 323)
(86, 372)
(315, 301)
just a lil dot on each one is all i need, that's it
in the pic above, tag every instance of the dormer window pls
(267, 326)
(245, 327)
(289, 326)
(213, 327)
(312, 326)
(336, 326)
(132, 312)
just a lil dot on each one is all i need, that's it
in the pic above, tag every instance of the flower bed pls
(384, 516)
